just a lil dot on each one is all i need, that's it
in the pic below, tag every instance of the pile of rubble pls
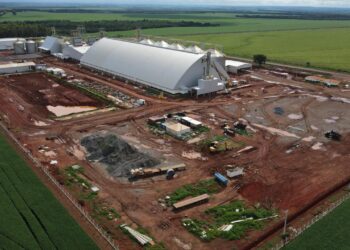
(117, 155)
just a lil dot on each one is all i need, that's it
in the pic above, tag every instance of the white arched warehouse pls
(166, 69)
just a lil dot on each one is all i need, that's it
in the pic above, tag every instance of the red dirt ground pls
(273, 178)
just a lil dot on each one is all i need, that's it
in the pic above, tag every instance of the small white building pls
(7, 43)
(188, 121)
(75, 53)
(12, 68)
(176, 129)
(206, 86)
(236, 66)
(56, 71)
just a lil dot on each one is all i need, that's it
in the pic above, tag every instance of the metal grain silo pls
(30, 47)
(19, 47)
(41, 42)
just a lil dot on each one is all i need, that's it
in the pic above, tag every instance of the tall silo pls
(40, 42)
(19, 47)
(30, 47)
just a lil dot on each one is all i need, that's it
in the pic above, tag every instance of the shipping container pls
(221, 179)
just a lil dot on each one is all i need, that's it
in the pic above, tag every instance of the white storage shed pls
(166, 69)
(52, 45)
(236, 66)
(7, 43)
(12, 68)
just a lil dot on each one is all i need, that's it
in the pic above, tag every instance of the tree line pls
(303, 16)
(64, 27)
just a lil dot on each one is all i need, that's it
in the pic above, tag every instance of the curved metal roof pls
(161, 68)
(51, 44)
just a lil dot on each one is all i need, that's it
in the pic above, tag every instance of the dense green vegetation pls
(331, 232)
(292, 40)
(236, 213)
(65, 27)
(31, 218)
(202, 187)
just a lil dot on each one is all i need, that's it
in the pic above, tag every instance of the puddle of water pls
(62, 110)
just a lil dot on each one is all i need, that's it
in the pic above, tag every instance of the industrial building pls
(166, 69)
(191, 201)
(74, 52)
(8, 43)
(235, 66)
(188, 121)
(12, 68)
(319, 79)
(176, 129)
(52, 45)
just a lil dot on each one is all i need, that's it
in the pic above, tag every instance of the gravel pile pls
(116, 154)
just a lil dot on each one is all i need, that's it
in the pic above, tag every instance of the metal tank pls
(30, 47)
(19, 47)
(41, 42)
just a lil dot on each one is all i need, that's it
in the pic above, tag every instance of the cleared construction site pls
(177, 146)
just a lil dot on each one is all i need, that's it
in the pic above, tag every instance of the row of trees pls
(303, 16)
(42, 28)
(23, 30)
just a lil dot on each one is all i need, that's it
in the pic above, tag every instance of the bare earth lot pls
(292, 166)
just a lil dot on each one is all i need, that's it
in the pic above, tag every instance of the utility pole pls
(53, 30)
(138, 34)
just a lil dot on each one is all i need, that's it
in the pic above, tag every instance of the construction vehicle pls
(148, 172)
(161, 95)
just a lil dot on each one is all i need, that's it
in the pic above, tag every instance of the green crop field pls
(322, 43)
(322, 48)
(331, 232)
(43, 16)
(30, 216)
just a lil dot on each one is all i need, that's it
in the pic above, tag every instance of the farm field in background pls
(331, 232)
(31, 217)
(322, 48)
(322, 43)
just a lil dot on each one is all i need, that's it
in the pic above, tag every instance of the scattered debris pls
(53, 162)
(309, 138)
(278, 111)
(236, 172)
(147, 172)
(295, 116)
(333, 135)
(141, 238)
(95, 189)
(318, 146)
(116, 154)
